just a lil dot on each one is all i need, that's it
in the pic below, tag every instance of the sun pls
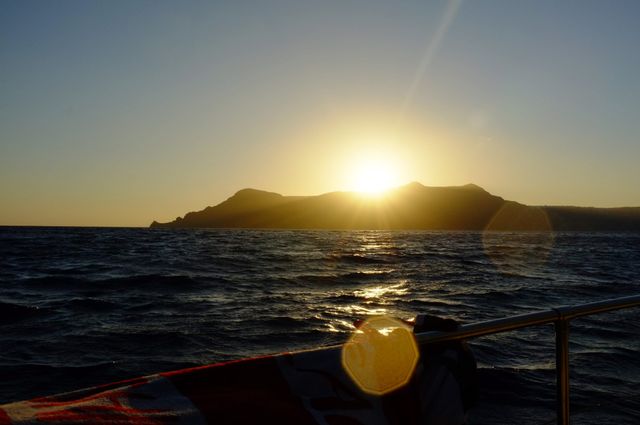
(373, 176)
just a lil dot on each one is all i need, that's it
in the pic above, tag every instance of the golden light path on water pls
(370, 295)
(381, 355)
(380, 291)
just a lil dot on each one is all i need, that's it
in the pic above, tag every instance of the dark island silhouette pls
(410, 207)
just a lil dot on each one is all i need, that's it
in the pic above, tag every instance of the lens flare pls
(381, 356)
(524, 251)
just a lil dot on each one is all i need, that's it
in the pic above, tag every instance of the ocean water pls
(84, 306)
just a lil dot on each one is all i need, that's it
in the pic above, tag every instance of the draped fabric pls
(302, 388)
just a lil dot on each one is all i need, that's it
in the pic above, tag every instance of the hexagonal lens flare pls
(381, 355)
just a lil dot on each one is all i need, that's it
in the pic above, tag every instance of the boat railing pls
(560, 317)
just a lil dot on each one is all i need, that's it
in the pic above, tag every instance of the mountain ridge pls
(409, 207)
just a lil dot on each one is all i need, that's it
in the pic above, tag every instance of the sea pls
(87, 306)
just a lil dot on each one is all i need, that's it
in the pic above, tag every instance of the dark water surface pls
(82, 306)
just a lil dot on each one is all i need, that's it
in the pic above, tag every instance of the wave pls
(515, 386)
(345, 278)
(11, 313)
(90, 305)
(57, 283)
(361, 259)
(156, 282)
(152, 282)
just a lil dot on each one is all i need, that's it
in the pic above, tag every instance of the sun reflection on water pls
(380, 291)
(356, 310)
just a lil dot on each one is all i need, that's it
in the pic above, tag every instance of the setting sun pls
(373, 176)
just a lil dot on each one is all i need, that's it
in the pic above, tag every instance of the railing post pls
(562, 370)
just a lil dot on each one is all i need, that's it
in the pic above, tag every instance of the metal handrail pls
(560, 317)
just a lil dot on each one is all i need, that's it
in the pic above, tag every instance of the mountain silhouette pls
(412, 206)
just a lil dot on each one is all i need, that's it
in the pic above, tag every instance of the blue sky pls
(121, 112)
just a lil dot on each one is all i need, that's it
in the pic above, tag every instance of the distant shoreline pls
(282, 229)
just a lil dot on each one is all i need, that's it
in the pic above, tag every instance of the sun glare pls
(373, 176)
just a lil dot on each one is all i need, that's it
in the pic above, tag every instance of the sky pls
(117, 113)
